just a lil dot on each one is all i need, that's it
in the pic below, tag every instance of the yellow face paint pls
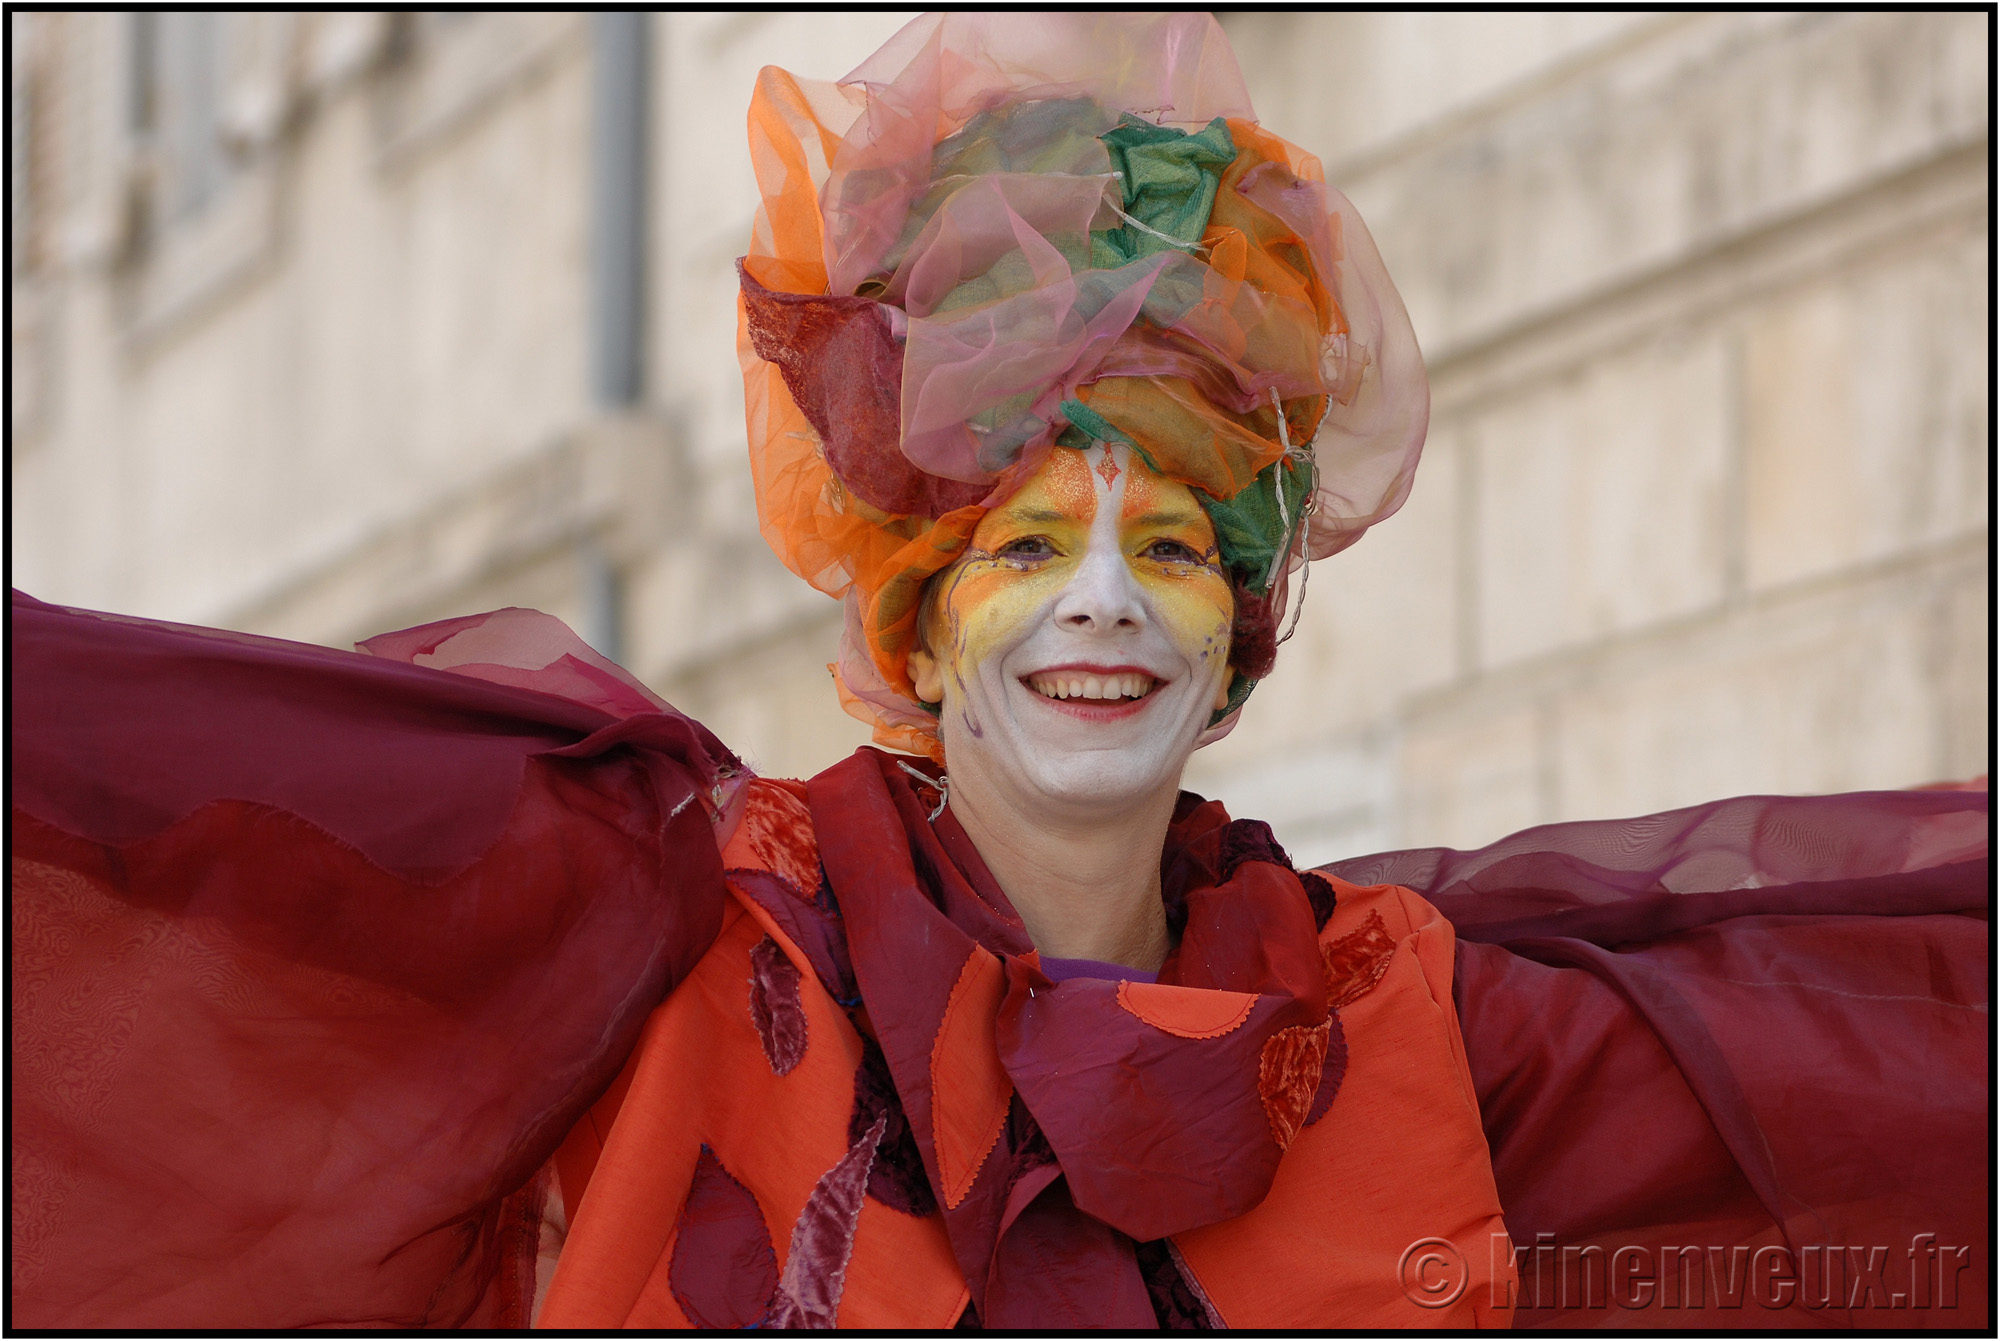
(1027, 552)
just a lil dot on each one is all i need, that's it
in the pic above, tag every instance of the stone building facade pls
(325, 324)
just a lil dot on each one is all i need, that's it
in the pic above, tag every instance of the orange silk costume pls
(1332, 1244)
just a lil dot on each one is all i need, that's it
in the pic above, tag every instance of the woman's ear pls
(926, 675)
(1221, 690)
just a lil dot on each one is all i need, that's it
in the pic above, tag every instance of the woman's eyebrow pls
(1038, 516)
(1181, 517)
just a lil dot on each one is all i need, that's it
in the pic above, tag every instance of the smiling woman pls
(1094, 595)
(463, 981)
(1056, 395)
(1083, 646)
(1098, 555)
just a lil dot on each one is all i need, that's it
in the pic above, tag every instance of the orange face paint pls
(1027, 551)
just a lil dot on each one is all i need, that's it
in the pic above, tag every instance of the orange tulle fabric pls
(1003, 228)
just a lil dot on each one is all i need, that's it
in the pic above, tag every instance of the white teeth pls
(1126, 684)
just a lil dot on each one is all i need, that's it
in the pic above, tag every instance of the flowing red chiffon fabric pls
(316, 957)
(1757, 1025)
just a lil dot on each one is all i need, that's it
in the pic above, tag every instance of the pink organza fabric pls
(946, 274)
(980, 385)
(943, 69)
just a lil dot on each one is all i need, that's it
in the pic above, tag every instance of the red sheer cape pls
(316, 956)
(1755, 1029)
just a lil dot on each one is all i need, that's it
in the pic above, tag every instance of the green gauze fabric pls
(1250, 528)
(1169, 179)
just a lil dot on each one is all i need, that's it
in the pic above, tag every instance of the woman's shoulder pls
(775, 833)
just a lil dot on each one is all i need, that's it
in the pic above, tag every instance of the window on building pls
(178, 66)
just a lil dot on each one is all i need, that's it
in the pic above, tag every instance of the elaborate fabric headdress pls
(1007, 231)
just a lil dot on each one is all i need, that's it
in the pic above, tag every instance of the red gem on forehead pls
(1108, 468)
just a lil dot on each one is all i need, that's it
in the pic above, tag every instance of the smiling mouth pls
(1111, 687)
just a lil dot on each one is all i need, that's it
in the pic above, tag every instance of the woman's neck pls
(1087, 887)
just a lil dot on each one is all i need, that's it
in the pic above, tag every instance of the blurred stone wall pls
(1705, 504)
(310, 325)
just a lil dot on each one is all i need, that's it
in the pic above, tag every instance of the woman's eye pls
(1029, 547)
(1171, 551)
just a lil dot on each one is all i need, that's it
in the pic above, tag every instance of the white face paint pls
(1082, 641)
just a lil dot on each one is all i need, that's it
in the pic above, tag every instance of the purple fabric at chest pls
(1062, 970)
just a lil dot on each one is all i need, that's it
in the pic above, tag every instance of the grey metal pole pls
(619, 99)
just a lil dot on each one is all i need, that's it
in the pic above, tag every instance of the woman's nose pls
(1102, 597)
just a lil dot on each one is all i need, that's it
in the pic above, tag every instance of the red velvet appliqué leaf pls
(777, 828)
(1331, 1071)
(723, 1269)
(774, 1006)
(1288, 1076)
(1356, 962)
(823, 1239)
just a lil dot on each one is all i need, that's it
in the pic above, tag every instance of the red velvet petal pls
(1288, 1076)
(1356, 962)
(823, 1239)
(774, 1006)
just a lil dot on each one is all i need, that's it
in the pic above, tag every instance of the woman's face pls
(1081, 642)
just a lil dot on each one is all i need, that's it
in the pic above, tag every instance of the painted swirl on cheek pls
(1170, 545)
(1021, 556)
(1197, 610)
(989, 603)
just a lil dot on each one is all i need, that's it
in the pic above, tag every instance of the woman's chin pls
(1088, 753)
